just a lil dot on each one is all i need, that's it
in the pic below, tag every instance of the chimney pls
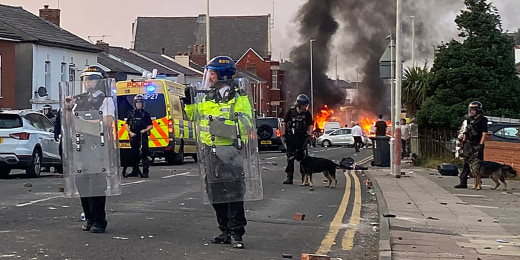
(183, 59)
(50, 15)
(199, 57)
(105, 47)
(195, 49)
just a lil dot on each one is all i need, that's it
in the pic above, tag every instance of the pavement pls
(423, 217)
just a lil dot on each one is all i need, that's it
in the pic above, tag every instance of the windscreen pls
(154, 104)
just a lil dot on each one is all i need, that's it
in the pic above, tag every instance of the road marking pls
(180, 174)
(271, 158)
(337, 222)
(348, 238)
(470, 195)
(485, 207)
(36, 201)
(135, 182)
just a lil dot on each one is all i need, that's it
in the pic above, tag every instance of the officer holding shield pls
(90, 153)
(139, 124)
(227, 146)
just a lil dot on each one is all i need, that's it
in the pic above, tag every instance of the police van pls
(172, 136)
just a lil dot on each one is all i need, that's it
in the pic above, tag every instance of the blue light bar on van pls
(150, 88)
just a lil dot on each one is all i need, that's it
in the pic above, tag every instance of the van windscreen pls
(154, 104)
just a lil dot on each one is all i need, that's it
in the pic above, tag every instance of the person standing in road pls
(381, 126)
(297, 129)
(139, 123)
(357, 133)
(405, 138)
(473, 140)
(228, 159)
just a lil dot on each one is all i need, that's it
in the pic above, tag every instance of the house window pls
(63, 71)
(48, 77)
(72, 72)
(275, 79)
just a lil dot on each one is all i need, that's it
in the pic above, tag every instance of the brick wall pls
(503, 152)
(7, 49)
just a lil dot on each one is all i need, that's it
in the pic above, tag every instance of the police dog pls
(310, 165)
(484, 169)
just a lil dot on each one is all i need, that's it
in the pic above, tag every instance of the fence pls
(428, 143)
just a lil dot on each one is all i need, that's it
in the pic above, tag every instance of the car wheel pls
(325, 143)
(176, 158)
(283, 150)
(59, 169)
(34, 168)
(194, 157)
(4, 172)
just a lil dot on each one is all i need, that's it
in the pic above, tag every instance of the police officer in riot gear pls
(473, 140)
(84, 114)
(297, 129)
(223, 116)
(47, 111)
(139, 124)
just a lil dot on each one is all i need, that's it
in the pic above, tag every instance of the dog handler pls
(227, 146)
(473, 140)
(297, 128)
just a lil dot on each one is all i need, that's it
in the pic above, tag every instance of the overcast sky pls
(114, 17)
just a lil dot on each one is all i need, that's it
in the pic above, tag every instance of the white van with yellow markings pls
(172, 136)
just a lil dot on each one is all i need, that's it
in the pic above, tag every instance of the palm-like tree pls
(414, 86)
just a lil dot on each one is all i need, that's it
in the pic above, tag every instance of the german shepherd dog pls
(310, 165)
(484, 169)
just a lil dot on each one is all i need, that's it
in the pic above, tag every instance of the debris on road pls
(28, 184)
(286, 256)
(501, 241)
(120, 238)
(299, 216)
(306, 256)
(389, 215)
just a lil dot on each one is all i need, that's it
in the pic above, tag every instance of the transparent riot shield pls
(89, 138)
(227, 146)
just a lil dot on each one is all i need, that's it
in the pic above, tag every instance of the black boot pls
(135, 172)
(289, 180)
(87, 226)
(124, 172)
(461, 186)
(224, 238)
(146, 169)
(237, 242)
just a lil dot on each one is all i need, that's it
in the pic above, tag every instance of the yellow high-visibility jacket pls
(199, 114)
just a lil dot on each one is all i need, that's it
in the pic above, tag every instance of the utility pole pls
(397, 136)
(392, 102)
(208, 47)
(312, 83)
(413, 40)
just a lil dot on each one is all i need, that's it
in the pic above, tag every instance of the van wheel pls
(194, 157)
(4, 172)
(176, 158)
(34, 168)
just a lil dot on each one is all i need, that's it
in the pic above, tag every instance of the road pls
(163, 217)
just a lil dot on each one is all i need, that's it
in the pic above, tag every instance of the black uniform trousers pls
(469, 151)
(296, 148)
(89, 187)
(231, 218)
(140, 153)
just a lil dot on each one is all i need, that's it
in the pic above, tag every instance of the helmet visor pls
(90, 83)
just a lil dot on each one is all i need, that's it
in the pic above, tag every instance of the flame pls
(322, 117)
(368, 125)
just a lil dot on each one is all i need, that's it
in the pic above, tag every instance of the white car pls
(27, 142)
(342, 136)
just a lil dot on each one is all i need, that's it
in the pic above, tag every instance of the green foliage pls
(416, 81)
(481, 67)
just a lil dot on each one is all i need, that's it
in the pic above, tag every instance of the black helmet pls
(224, 66)
(302, 100)
(475, 105)
(47, 109)
(139, 98)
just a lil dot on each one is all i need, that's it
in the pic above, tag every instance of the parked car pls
(504, 132)
(27, 142)
(269, 131)
(342, 136)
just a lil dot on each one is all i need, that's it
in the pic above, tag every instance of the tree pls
(415, 83)
(481, 67)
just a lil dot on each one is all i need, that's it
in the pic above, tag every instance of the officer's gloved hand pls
(187, 100)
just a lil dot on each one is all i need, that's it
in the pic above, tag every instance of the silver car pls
(342, 136)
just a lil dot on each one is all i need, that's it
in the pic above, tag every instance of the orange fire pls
(322, 117)
(368, 123)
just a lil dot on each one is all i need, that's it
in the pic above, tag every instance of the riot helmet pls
(477, 106)
(47, 110)
(220, 68)
(302, 101)
(92, 79)
(139, 99)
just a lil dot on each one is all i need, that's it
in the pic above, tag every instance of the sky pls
(114, 18)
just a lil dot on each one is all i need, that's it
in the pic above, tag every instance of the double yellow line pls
(347, 241)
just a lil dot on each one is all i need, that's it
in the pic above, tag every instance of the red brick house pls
(268, 96)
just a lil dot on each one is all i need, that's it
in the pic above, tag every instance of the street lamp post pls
(399, 68)
(312, 83)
